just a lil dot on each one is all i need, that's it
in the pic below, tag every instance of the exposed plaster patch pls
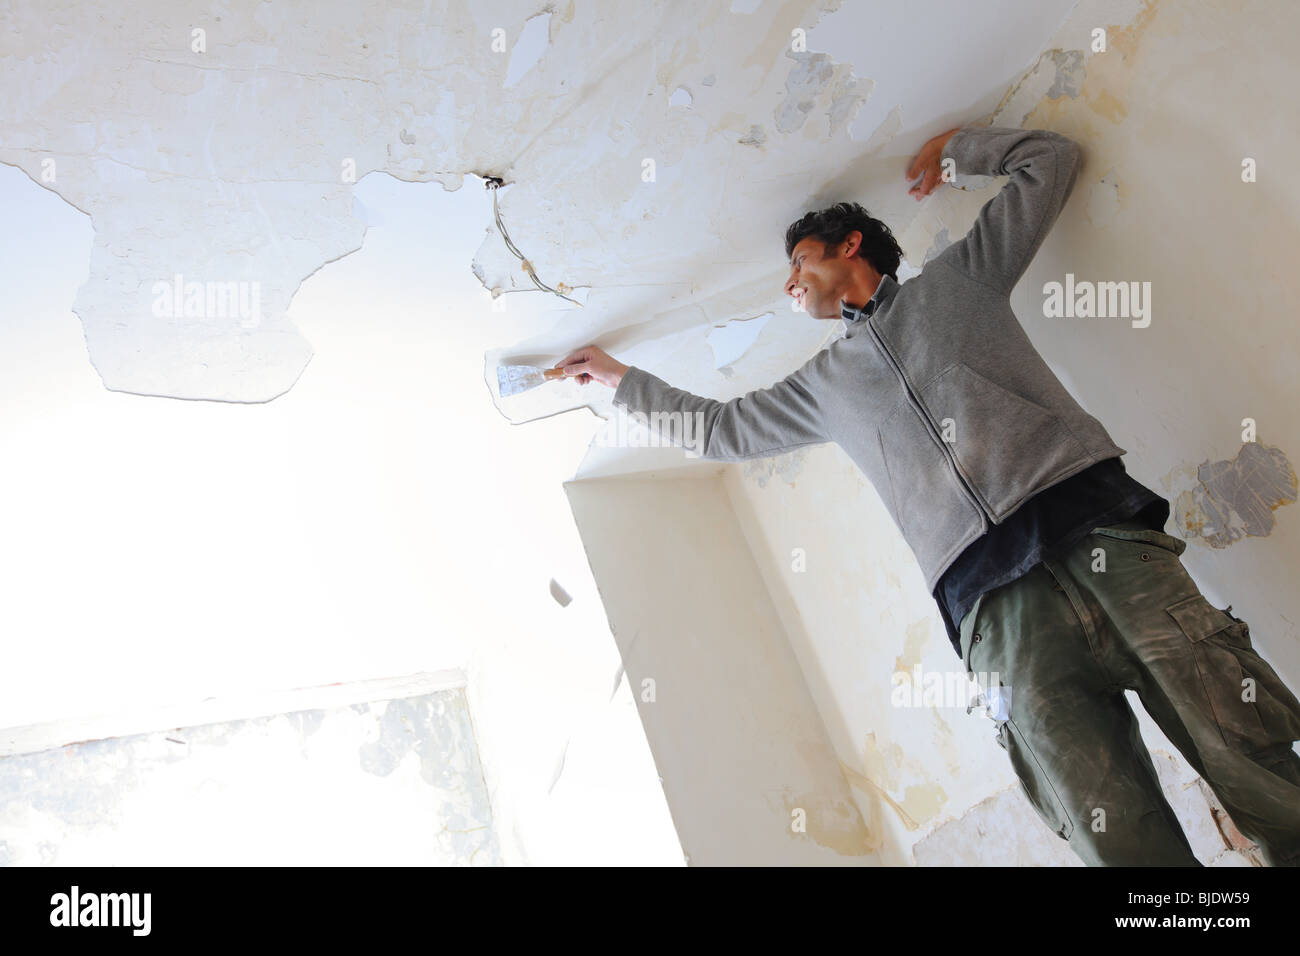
(1233, 839)
(1103, 200)
(681, 97)
(423, 726)
(809, 76)
(1236, 498)
(755, 137)
(731, 341)
(998, 831)
(528, 49)
(1069, 73)
(1055, 73)
(849, 94)
(1108, 75)
(1195, 805)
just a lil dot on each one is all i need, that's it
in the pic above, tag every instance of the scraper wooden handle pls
(550, 373)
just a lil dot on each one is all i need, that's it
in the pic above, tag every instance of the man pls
(1020, 513)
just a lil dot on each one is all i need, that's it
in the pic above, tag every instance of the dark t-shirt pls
(1053, 519)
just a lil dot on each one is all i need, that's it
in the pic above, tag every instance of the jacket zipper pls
(929, 425)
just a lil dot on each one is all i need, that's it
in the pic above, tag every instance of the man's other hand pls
(592, 364)
(926, 165)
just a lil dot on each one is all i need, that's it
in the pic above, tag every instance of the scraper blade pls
(513, 379)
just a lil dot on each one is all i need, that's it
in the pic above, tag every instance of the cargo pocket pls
(1007, 444)
(1034, 782)
(1231, 673)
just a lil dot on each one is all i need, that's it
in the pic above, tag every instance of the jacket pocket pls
(1007, 445)
(926, 500)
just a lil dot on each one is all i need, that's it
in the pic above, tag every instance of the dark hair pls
(832, 226)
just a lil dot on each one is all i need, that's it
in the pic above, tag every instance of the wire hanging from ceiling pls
(493, 183)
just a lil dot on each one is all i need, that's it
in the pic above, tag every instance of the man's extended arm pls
(1012, 225)
(762, 422)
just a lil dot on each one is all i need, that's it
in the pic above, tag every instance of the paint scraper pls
(513, 379)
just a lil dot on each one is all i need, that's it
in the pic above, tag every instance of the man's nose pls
(789, 285)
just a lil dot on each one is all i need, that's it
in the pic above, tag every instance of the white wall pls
(747, 767)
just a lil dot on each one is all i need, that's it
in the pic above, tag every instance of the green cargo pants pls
(1054, 651)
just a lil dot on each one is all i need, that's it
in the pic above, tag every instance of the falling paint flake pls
(561, 596)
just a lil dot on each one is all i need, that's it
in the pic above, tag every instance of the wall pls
(748, 770)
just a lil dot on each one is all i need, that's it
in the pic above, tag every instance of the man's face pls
(818, 280)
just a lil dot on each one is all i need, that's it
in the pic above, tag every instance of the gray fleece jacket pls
(935, 390)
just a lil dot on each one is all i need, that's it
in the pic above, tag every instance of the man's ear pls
(852, 242)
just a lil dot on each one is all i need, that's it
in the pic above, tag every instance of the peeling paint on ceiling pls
(216, 153)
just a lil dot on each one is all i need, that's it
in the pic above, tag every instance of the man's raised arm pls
(1012, 225)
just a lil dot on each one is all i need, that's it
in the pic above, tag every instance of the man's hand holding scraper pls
(592, 364)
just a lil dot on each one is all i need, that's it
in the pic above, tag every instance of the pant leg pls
(1198, 675)
(1070, 733)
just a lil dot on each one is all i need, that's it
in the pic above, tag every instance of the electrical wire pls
(494, 184)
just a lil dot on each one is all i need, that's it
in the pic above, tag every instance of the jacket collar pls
(883, 292)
